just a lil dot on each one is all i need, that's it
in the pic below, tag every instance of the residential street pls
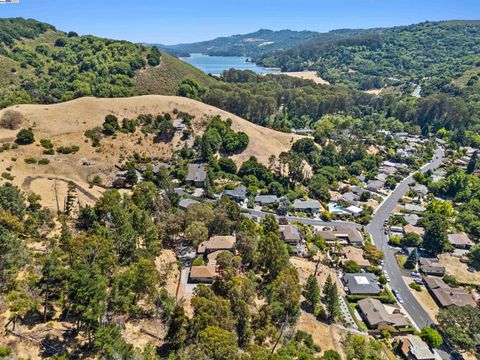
(376, 228)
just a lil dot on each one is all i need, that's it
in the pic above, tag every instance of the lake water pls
(218, 64)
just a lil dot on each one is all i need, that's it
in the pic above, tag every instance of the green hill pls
(40, 64)
(257, 43)
(433, 53)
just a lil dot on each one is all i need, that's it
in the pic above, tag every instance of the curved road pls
(376, 229)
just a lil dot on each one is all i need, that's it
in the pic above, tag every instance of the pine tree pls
(331, 299)
(312, 292)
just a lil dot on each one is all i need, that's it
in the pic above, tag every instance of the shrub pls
(351, 266)
(95, 135)
(110, 125)
(48, 152)
(198, 262)
(25, 137)
(46, 143)
(11, 119)
(43, 162)
(415, 286)
(7, 176)
(68, 149)
(30, 160)
(5, 351)
(6, 147)
(450, 280)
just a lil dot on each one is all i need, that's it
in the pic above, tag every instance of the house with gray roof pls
(349, 198)
(197, 175)
(308, 205)
(266, 199)
(415, 208)
(185, 203)
(361, 284)
(375, 185)
(238, 194)
(413, 347)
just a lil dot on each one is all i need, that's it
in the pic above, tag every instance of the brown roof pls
(460, 239)
(407, 229)
(355, 254)
(435, 282)
(453, 296)
(431, 267)
(446, 295)
(290, 233)
(217, 243)
(375, 314)
(203, 271)
(354, 236)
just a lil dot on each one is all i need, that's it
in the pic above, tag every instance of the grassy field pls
(165, 78)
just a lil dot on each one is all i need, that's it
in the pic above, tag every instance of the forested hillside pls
(39, 64)
(433, 53)
(257, 43)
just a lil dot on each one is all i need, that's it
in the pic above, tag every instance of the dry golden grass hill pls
(65, 123)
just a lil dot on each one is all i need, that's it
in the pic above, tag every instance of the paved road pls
(376, 229)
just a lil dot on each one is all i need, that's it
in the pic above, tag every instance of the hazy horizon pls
(192, 21)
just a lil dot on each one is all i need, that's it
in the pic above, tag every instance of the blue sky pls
(175, 21)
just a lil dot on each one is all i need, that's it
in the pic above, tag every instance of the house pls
(412, 219)
(414, 208)
(179, 125)
(345, 235)
(354, 210)
(375, 185)
(217, 243)
(238, 194)
(349, 198)
(361, 284)
(202, 274)
(357, 190)
(446, 295)
(413, 347)
(290, 234)
(420, 189)
(375, 315)
(157, 167)
(185, 203)
(353, 236)
(387, 170)
(410, 229)
(308, 205)
(355, 254)
(460, 241)
(197, 175)
(431, 267)
(381, 177)
(266, 199)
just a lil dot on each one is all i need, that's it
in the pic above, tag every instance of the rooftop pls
(217, 243)
(375, 313)
(460, 240)
(196, 173)
(362, 283)
(203, 271)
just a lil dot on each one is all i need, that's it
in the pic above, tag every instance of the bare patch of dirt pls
(458, 269)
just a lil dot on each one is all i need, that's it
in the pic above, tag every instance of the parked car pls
(418, 281)
(415, 274)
